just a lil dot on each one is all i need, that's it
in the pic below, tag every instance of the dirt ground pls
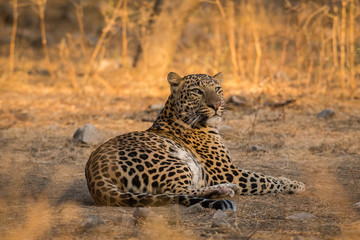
(51, 84)
(43, 193)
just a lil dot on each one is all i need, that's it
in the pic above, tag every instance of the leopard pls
(181, 159)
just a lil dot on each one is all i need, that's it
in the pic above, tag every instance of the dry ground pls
(43, 192)
(292, 48)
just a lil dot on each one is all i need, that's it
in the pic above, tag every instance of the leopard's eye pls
(197, 91)
(217, 89)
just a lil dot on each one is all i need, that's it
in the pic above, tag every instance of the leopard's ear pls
(219, 77)
(174, 80)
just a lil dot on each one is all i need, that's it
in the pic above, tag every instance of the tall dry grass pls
(312, 46)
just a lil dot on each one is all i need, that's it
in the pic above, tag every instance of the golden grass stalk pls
(352, 46)
(124, 34)
(258, 54)
(229, 26)
(98, 78)
(41, 6)
(143, 42)
(240, 56)
(283, 54)
(321, 61)
(69, 68)
(309, 73)
(79, 16)
(335, 20)
(13, 38)
(110, 23)
(313, 15)
(342, 45)
(217, 45)
(298, 49)
(257, 45)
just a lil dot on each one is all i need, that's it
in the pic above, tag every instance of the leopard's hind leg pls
(111, 195)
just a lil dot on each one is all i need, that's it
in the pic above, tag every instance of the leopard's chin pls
(214, 120)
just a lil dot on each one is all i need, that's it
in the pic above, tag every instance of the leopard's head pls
(197, 98)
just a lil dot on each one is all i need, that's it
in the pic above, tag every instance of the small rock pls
(357, 205)
(300, 216)
(88, 134)
(220, 223)
(257, 148)
(219, 220)
(272, 104)
(93, 221)
(219, 214)
(39, 71)
(23, 116)
(216, 236)
(196, 208)
(326, 113)
(156, 107)
(141, 214)
(330, 230)
(236, 100)
(298, 237)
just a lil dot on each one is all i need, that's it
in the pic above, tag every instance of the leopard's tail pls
(257, 183)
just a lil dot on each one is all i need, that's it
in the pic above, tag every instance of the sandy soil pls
(43, 192)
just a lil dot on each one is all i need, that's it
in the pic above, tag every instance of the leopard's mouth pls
(210, 116)
(209, 113)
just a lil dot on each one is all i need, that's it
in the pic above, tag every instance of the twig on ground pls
(255, 231)
(253, 124)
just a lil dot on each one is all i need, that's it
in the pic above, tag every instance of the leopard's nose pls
(214, 106)
(213, 100)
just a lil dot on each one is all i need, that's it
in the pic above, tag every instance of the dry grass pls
(306, 46)
(60, 71)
